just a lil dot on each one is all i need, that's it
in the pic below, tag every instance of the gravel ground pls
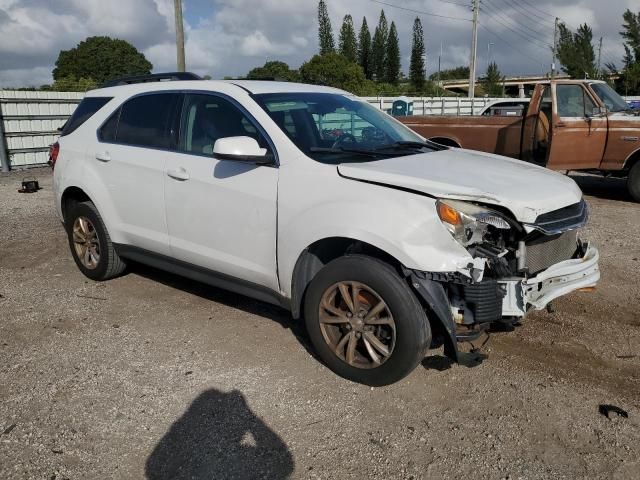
(154, 376)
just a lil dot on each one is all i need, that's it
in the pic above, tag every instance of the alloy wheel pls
(357, 324)
(86, 242)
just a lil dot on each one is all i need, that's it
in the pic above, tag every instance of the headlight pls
(468, 222)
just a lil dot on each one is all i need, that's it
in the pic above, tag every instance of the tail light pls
(54, 150)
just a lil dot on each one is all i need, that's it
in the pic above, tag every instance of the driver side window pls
(573, 101)
(206, 118)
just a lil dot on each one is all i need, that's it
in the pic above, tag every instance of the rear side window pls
(145, 121)
(88, 106)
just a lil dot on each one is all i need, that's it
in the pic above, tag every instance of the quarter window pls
(147, 121)
(88, 106)
(206, 118)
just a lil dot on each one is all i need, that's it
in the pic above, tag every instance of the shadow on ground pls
(220, 437)
(607, 188)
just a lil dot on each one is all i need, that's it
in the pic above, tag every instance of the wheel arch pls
(70, 196)
(319, 253)
(446, 141)
(631, 160)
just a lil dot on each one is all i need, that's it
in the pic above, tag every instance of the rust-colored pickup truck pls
(569, 125)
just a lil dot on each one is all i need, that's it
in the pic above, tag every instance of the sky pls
(229, 37)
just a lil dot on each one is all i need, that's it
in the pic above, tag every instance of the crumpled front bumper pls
(554, 282)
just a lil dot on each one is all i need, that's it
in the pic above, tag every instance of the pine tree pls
(493, 82)
(325, 32)
(576, 52)
(348, 43)
(631, 34)
(417, 69)
(378, 54)
(392, 63)
(364, 49)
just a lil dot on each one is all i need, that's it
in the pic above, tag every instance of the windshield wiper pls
(343, 150)
(406, 144)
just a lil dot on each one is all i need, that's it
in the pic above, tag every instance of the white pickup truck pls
(310, 198)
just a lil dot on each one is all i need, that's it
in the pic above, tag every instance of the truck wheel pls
(365, 322)
(633, 182)
(90, 244)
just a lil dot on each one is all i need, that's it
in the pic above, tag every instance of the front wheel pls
(633, 182)
(365, 322)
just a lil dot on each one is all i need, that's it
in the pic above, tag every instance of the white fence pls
(29, 120)
(29, 123)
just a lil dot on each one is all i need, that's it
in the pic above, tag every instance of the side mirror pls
(243, 149)
(597, 112)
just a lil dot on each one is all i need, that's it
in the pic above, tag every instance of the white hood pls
(525, 189)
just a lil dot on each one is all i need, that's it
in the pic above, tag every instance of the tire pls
(633, 182)
(406, 341)
(84, 217)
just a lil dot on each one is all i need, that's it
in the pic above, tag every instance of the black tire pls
(633, 182)
(109, 265)
(412, 329)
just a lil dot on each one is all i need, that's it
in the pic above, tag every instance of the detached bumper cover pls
(562, 278)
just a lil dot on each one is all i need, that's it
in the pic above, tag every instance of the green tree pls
(364, 49)
(392, 64)
(417, 67)
(101, 59)
(631, 62)
(334, 70)
(493, 83)
(325, 32)
(274, 70)
(378, 53)
(347, 43)
(72, 84)
(457, 73)
(576, 52)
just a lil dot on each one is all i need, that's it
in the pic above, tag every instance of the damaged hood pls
(524, 189)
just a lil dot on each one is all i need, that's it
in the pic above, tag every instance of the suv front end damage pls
(515, 268)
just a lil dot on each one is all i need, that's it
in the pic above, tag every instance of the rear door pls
(578, 134)
(221, 214)
(129, 162)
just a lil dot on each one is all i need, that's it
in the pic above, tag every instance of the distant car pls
(634, 104)
(506, 108)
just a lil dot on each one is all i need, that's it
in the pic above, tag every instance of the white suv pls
(309, 198)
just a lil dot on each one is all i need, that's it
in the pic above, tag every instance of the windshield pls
(613, 101)
(334, 128)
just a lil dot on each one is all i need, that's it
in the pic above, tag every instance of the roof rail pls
(153, 77)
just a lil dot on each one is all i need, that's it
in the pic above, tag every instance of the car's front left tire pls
(365, 322)
(90, 244)
(633, 182)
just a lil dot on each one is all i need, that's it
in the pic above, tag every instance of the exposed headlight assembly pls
(468, 222)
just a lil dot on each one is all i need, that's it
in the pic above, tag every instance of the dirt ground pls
(154, 376)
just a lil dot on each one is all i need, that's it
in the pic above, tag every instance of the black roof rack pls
(153, 77)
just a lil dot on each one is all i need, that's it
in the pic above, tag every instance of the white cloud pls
(233, 36)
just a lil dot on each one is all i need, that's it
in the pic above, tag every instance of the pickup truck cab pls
(309, 198)
(568, 125)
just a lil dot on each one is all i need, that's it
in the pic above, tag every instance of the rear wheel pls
(365, 322)
(90, 244)
(633, 182)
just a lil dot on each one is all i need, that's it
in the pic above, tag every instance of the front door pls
(221, 214)
(578, 132)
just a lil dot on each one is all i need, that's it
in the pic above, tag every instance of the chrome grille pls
(549, 250)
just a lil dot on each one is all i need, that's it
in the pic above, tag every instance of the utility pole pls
(599, 57)
(439, 63)
(489, 54)
(555, 48)
(474, 49)
(179, 35)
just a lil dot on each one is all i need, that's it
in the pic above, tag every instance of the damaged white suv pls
(309, 198)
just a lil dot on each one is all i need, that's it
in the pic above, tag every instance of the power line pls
(525, 35)
(530, 11)
(510, 44)
(420, 12)
(509, 19)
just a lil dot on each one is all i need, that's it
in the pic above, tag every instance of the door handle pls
(103, 156)
(178, 174)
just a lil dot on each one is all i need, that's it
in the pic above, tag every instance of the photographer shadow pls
(219, 437)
